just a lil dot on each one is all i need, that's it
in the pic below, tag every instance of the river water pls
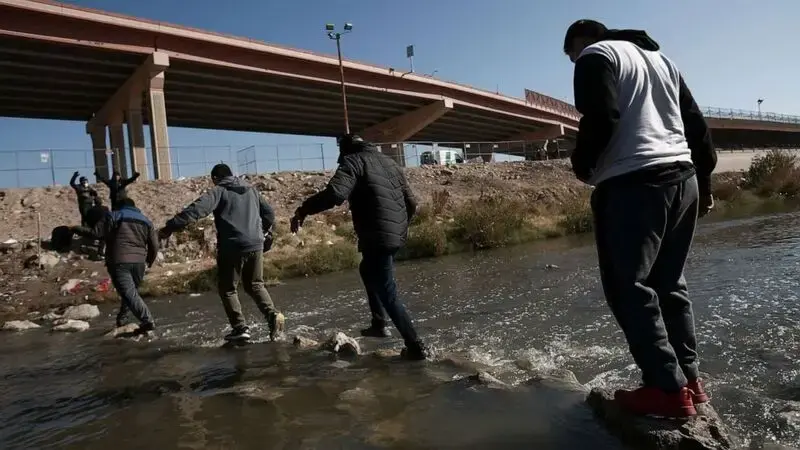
(505, 310)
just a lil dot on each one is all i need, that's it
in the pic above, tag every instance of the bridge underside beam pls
(403, 127)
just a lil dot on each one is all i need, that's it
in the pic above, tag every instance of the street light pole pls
(759, 102)
(337, 36)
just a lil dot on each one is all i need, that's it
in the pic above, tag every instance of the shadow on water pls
(512, 312)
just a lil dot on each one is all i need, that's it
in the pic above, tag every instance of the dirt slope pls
(542, 181)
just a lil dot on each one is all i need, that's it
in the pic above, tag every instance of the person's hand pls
(76, 173)
(164, 233)
(296, 222)
(706, 204)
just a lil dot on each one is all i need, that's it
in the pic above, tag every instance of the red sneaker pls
(651, 401)
(698, 393)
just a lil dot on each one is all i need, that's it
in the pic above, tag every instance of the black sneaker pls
(377, 332)
(277, 322)
(416, 352)
(145, 328)
(238, 334)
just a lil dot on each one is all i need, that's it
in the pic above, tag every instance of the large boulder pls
(19, 325)
(72, 326)
(702, 432)
(81, 312)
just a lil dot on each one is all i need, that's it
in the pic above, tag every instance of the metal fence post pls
(322, 154)
(52, 166)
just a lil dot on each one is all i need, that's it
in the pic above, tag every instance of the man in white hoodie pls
(645, 146)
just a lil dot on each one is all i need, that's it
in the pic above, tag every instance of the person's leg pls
(630, 223)
(253, 283)
(229, 269)
(378, 321)
(380, 278)
(126, 280)
(669, 282)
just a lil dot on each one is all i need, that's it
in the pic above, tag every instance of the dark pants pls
(248, 267)
(643, 236)
(377, 273)
(126, 278)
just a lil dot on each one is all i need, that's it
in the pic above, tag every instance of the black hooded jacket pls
(380, 199)
(596, 99)
(116, 187)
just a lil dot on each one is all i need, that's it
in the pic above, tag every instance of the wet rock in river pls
(486, 379)
(304, 343)
(72, 326)
(702, 432)
(51, 316)
(81, 312)
(343, 345)
(124, 331)
(19, 325)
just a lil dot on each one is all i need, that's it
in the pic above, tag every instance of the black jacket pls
(596, 99)
(117, 188)
(241, 215)
(86, 195)
(130, 236)
(380, 199)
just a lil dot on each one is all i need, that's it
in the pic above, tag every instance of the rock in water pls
(702, 432)
(342, 344)
(81, 312)
(19, 325)
(128, 330)
(51, 316)
(72, 325)
(304, 343)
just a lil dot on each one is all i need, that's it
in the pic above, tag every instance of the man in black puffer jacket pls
(382, 206)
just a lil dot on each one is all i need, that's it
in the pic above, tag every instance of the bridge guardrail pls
(724, 113)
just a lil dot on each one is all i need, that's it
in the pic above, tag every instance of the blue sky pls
(731, 52)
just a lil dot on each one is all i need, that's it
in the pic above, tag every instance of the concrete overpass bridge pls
(65, 62)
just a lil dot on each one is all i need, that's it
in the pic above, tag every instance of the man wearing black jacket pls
(645, 146)
(382, 206)
(243, 219)
(86, 195)
(116, 186)
(131, 244)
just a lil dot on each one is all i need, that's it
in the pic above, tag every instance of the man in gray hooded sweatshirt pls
(243, 219)
(645, 146)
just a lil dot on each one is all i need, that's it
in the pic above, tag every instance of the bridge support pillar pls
(395, 151)
(159, 136)
(119, 157)
(99, 149)
(136, 142)
(147, 80)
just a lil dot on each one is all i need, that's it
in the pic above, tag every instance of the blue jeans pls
(377, 273)
(126, 278)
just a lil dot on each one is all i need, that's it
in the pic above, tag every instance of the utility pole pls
(337, 36)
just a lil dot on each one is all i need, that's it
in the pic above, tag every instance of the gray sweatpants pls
(643, 236)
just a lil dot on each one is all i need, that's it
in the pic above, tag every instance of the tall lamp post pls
(337, 36)
(759, 102)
